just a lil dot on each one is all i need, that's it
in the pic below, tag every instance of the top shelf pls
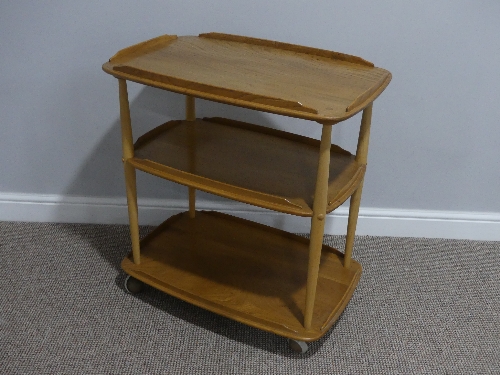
(286, 79)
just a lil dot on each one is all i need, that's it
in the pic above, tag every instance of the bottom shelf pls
(245, 271)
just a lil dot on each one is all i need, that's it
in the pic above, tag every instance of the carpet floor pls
(423, 306)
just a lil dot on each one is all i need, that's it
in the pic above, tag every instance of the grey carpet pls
(422, 307)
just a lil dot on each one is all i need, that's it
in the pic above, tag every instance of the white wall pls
(435, 132)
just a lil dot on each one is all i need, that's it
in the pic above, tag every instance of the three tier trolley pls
(257, 275)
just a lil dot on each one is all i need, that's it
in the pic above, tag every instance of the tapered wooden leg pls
(318, 223)
(190, 108)
(192, 202)
(361, 157)
(130, 181)
(191, 116)
(133, 215)
(351, 224)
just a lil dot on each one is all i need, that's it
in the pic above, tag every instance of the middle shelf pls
(249, 163)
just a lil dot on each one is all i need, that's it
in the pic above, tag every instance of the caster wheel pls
(132, 285)
(298, 346)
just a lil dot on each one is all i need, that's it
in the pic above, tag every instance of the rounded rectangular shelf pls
(245, 271)
(282, 78)
(249, 163)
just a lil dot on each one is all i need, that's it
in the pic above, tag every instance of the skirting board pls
(372, 221)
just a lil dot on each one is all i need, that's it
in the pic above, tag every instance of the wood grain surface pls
(245, 162)
(282, 78)
(245, 271)
(257, 275)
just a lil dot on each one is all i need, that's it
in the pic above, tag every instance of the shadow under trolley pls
(257, 275)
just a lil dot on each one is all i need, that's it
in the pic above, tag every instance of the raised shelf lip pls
(280, 203)
(219, 91)
(285, 329)
(239, 98)
(222, 189)
(289, 47)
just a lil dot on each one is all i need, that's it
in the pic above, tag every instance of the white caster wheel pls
(298, 346)
(132, 285)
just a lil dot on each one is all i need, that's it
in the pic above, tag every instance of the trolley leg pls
(351, 224)
(318, 223)
(361, 157)
(130, 180)
(133, 216)
(192, 202)
(191, 116)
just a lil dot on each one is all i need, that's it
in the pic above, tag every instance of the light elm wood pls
(125, 121)
(245, 271)
(245, 162)
(191, 116)
(302, 82)
(318, 222)
(133, 214)
(362, 158)
(190, 108)
(192, 201)
(130, 178)
(289, 47)
(257, 275)
(141, 48)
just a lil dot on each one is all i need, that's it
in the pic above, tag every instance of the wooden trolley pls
(261, 276)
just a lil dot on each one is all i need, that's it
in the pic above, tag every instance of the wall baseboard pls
(372, 221)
